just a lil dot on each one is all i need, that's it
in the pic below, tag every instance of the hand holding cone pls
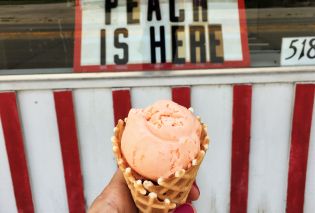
(167, 193)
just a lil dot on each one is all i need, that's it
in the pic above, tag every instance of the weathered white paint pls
(67, 75)
(309, 205)
(158, 78)
(43, 152)
(142, 97)
(211, 98)
(7, 199)
(272, 106)
(214, 105)
(95, 123)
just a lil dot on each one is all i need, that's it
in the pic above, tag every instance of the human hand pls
(116, 198)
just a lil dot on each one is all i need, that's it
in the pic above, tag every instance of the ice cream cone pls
(167, 193)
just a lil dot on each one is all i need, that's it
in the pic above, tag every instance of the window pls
(38, 36)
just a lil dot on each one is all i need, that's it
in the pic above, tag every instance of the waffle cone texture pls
(167, 193)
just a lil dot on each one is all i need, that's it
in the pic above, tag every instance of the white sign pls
(113, 35)
(298, 51)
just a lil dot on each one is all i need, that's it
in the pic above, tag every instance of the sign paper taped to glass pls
(138, 35)
(298, 51)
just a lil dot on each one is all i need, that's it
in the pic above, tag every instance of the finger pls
(114, 198)
(194, 193)
(118, 178)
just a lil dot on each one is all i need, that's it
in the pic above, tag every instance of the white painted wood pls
(309, 204)
(214, 105)
(7, 198)
(43, 152)
(143, 97)
(165, 78)
(69, 75)
(271, 123)
(95, 123)
(272, 106)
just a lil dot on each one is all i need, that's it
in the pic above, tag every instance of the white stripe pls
(43, 151)
(309, 204)
(143, 97)
(7, 198)
(269, 148)
(95, 123)
(214, 105)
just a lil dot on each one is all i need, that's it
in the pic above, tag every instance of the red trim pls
(300, 138)
(15, 150)
(244, 36)
(242, 99)
(77, 36)
(154, 67)
(245, 62)
(121, 104)
(181, 95)
(70, 150)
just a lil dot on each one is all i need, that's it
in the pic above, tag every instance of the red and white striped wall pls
(56, 155)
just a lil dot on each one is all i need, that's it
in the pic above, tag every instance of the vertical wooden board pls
(70, 150)
(309, 204)
(95, 123)
(299, 149)
(241, 126)
(181, 95)
(121, 103)
(214, 105)
(143, 97)
(269, 149)
(7, 199)
(43, 151)
(14, 143)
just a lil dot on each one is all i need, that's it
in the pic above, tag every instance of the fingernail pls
(195, 184)
(185, 208)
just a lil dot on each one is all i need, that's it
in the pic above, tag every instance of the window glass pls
(39, 35)
(270, 21)
(36, 34)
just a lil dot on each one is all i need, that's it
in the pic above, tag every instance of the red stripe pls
(242, 99)
(70, 150)
(244, 36)
(300, 137)
(181, 95)
(15, 149)
(121, 104)
(77, 36)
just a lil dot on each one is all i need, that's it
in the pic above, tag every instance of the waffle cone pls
(167, 193)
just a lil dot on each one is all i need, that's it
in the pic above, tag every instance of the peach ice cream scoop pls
(160, 139)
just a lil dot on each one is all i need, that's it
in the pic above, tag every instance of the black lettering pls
(109, 4)
(200, 44)
(155, 44)
(121, 45)
(173, 17)
(154, 6)
(196, 8)
(103, 47)
(216, 43)
(177, 43)
(130, 12)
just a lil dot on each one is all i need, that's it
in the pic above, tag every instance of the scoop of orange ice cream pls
(160, 139)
